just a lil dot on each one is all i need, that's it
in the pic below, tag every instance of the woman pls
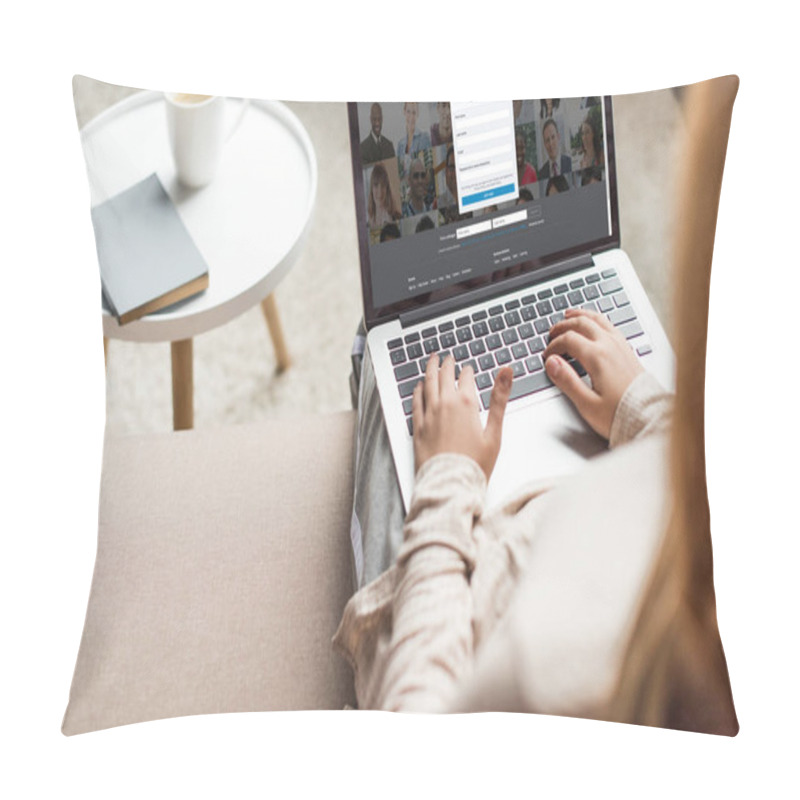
(525, 171)
(414, 140)
(575, 599)
(381, 207)
(591, 142)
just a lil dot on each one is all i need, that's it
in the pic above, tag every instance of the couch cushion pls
(222, 569)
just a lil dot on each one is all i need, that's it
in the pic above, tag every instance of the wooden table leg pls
(270, 309)
(182, 385)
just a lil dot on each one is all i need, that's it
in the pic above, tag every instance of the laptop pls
(479, 224)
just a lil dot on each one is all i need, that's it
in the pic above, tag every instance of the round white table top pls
(249, 222)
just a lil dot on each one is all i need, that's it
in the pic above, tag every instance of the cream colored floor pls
(320, 300)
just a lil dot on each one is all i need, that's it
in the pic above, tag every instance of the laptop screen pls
(454, 196)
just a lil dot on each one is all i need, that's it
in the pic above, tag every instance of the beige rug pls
(320, 299)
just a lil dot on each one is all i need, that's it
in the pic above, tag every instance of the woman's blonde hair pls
(674, 673)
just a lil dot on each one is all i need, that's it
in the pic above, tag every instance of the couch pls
(223, 567)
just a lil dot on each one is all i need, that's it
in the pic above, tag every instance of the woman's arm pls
(430, 648)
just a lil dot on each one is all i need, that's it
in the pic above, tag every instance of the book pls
(148, 259)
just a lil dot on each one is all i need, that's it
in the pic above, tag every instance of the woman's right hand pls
(608, 358)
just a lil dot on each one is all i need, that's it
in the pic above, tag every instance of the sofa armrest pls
(223, 567)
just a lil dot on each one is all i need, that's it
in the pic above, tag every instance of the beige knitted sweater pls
(525, 607)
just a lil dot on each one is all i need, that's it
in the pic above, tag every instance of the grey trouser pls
(376, 528)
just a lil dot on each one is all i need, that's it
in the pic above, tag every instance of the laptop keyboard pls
(514, 333)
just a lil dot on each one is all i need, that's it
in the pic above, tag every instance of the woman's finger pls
(565, 378)
(466, 384)
(431, 390)
(580, 323)
(571, 344)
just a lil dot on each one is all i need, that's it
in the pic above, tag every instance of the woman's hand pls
(608, 358)
(446, 417)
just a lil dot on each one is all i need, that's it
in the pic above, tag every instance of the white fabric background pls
(53, 390)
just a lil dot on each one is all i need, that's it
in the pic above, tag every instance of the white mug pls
(196, 125)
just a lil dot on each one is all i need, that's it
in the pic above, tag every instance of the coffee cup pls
(196, 125)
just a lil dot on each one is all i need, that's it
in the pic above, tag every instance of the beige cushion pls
(223, 566)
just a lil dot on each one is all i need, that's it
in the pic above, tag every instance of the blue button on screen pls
(488, 194)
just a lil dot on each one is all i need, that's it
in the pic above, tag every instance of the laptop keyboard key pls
(496, 324)
(480, 329)
(407, 389)
(609, 273)
(408, 404)
(534, 364)
(512, 304)
(631, 330)
(622, 315)
(411, 337)
(510, 336)
(397, 356)
(560, 302)
(528, 299)
(461, 353)
(483, 381)
(477, 347)
(486, 362)
(428, 332)
(575, 298)
(495, 310)
(479, 315)
(463, 335)
(502, 356)
(535, 346)
(410, 423)
(578, 283)
(394, 344)
(562, 288)
(512, 319)
(415, 350)
(541, 325)
(519, 350)
(528, 313)
(431, 345)
(591, 293)
(448, 339)
(545, 294)
(611, 286)
(605, 304)
(446, 326)
(594, 278)
(544, 308)
(405, 371)
(493, 341)
(577, 366)
(621, 299)
(525, 331)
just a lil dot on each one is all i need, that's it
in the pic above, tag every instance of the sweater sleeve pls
(645, 408)
(430, 647)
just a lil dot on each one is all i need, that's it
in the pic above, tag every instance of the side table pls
(250, 222)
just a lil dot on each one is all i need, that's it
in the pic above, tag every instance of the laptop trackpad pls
(548, 440)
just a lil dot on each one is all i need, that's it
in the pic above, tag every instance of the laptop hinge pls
(452, 304)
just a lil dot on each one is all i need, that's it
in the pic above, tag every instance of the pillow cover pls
(221, 573)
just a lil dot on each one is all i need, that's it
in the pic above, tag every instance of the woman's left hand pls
(446, 415)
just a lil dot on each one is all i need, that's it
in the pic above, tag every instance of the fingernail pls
(553, 365)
